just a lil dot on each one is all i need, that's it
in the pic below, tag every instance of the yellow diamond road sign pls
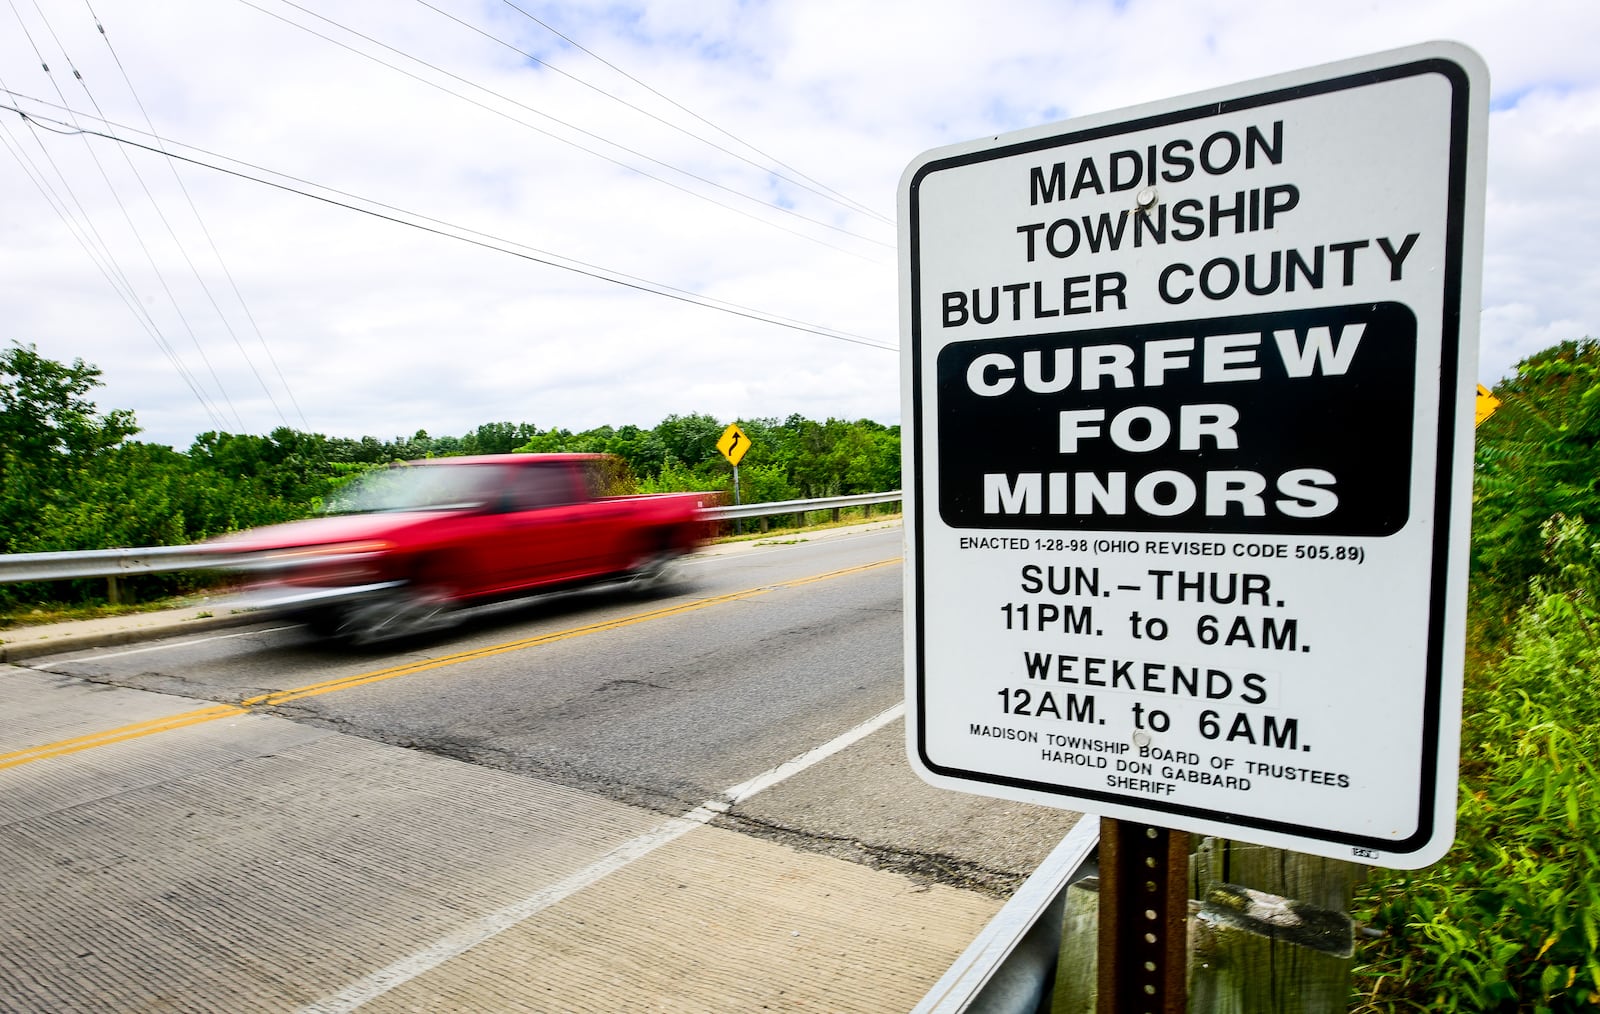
(733, 443)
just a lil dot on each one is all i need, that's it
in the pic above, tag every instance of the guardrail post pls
(1272, 933)
(111, 591)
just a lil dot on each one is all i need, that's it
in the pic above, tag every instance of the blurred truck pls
(404, 547)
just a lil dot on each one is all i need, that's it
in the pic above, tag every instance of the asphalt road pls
(726, 752)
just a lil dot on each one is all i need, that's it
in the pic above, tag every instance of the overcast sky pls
(742, 157)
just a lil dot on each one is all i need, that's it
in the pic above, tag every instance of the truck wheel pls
(328, 622)
(657, 572)
(404, 612)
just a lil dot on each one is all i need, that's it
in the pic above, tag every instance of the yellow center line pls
(278, 697)
(134, 731)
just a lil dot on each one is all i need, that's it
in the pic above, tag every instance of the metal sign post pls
(733, 444)
(1144, 910)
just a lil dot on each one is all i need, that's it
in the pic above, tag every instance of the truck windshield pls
(416, 488)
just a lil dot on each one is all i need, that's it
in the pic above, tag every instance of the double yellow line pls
(63, 747)
(153, 726)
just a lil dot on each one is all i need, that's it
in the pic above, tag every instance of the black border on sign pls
(1449, 369)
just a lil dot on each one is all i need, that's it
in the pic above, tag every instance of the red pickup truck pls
(404, 546)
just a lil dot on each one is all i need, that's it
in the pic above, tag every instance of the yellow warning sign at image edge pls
(1487, 403)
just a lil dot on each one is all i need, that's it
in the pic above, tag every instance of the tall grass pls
(1509, 920)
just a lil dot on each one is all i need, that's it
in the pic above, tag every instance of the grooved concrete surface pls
(251, 864)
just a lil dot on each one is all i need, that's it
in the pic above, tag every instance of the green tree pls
(691, 439)
(641, 449)
(498, 438)
(836, 457)
(1538, 456)
(760, 483)
(676, 477)
(1510, 919)
(551, 441)
(287, 465)
(50, 431)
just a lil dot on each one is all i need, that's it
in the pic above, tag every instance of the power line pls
(616, 162)
(243, 306)
(155, 268)
(109, 271)
(488, 242)
(130, 297)
(776, 161)
(133, 228)
(172, 233)
(804, 182)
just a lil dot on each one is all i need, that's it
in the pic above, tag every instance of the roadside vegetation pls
(74, 478)
(1509, 920)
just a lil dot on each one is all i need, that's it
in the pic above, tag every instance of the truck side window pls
(537, 486)
(593, 481)
(605, 477)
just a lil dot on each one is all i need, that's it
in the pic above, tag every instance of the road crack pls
(919, 866)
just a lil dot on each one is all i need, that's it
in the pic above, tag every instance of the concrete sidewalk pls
(20, 643)
(247, 863)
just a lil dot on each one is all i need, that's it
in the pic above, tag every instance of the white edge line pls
(744, 790)
(163, 646)
(485, 927)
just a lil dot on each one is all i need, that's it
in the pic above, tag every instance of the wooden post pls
(1272, 933)
(1326, 883)
(1275, 940)
(1077, 967)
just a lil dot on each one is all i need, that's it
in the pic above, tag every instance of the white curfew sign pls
(1189, 391)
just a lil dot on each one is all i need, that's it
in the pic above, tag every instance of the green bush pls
(1509, 920)
(676, 477)
(1536, 457)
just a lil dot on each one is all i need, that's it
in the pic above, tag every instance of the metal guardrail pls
(758, 510)
(116, 563)
(112, 563)
(1011, 965)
